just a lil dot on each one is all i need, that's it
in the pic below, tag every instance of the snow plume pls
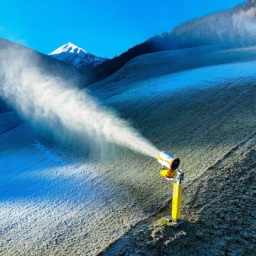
(244, 22)
(55, 105)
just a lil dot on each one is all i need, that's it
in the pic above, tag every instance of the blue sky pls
(104, 28)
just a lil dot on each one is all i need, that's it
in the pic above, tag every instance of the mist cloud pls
(65, 110)
(244, 22)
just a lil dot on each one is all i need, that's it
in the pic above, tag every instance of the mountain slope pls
(202, 114)
(76, 56)
(231, 28)
(234, 27)
(218, 213)
(228, 29)
(198, 103)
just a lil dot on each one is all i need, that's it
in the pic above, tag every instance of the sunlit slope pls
(52, 202)
(203, 114)
(218, 213)
(162, 63)
(198, 113)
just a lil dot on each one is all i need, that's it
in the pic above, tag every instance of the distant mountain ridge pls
(235, 27)
(76, 56)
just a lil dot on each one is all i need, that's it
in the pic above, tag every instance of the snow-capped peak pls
(76, 56)
(68, 48)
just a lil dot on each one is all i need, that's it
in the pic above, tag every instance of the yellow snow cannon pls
(169, 164)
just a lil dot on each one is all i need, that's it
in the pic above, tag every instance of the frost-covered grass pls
(198, 114)
(53, 203)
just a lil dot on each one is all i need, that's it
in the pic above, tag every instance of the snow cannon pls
(170, 172)
(169, 164)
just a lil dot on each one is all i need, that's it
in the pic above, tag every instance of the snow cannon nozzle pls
(169, 164)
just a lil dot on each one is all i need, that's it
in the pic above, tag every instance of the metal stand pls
(174, 219)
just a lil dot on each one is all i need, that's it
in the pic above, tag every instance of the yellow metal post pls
(176, 201)
(171, 172)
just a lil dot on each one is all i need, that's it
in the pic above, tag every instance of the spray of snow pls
(244, 22)
(53, 104)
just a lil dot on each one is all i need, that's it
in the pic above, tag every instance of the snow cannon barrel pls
(169, 164)
(168, 161)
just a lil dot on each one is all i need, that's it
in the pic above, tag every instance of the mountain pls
(76, 56)
(235, 27)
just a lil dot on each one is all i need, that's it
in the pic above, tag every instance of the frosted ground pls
(55, 203)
